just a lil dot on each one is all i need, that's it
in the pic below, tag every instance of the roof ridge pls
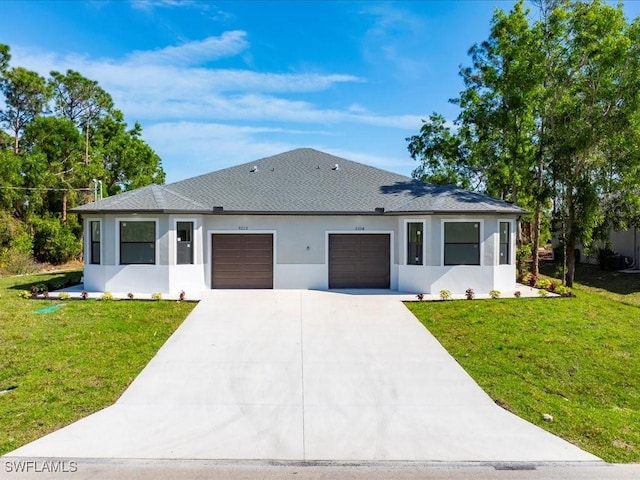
(156, 191)
(182, 197)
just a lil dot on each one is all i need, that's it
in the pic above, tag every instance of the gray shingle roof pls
(303, 181)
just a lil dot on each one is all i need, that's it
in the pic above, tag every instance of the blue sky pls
(215, 84)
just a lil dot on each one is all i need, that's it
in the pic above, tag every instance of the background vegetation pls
(62, 143)
(550, 120)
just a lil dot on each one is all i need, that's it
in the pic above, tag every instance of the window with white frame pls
(462, 243)
(415, 239)
(137, 243)
(184, 243)
(94, 242)
(505, 243)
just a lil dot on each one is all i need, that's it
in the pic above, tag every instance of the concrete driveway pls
(304, 375)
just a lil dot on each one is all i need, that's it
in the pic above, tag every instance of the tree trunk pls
(571, 260)
(86, 144)
(535, 265)
(535, 255)
(570, 244)
(64, 206)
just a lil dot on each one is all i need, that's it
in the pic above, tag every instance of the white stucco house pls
(302, 219)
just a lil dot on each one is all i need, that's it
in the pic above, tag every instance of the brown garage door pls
(242, 261)
(359, 261)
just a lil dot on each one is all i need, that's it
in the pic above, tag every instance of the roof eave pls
(296, 212)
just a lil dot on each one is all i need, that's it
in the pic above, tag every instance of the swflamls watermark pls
(40, 466)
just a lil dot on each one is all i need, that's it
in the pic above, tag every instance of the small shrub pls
(35, 290)
(24, 294)
(14, 262)
(45, 293)
(494, 294)
(445, 295)
(107, 296)
(517, 294)
(156, 296)
(533, 280)
(64, 296)
(526, 278)
(130, 296)
(84, 295)
(564, 291)
(420, 297)
(543, 283)
(182, 296)
(470, 294)
(553, 286)
(543, 293)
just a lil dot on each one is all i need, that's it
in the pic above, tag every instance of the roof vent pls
(254, 169)
(379, 209)
(218, 209)
(336, 167)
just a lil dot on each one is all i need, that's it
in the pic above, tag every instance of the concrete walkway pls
(304, 375)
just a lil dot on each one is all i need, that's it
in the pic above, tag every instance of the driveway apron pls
(304, 375)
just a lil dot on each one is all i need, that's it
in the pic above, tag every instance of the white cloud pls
(228, 44)
(201, 119)
(148, 5)
(154, 90)
(396, 41)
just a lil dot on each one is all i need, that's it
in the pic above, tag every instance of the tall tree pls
(127, 161)
(441, 155)
(5, 57)
(80, 100)
(493, 149)
(54, 162)
(550, 110)
(26, 95)
(594, 99)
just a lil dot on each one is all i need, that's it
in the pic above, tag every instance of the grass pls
(74, 361)
(577, 359)
(618, 286)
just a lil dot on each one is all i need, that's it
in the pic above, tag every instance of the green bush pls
(14, 262)
(22, 243)
(54, 242)
(10, 228)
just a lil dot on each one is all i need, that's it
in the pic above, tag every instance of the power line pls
(48, 189)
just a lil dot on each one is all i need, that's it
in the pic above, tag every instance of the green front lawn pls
(622, 287)
(74, 361)
(577, 359)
